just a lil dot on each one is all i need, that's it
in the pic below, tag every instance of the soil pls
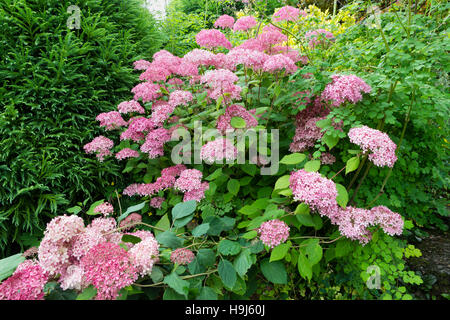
(433, 265)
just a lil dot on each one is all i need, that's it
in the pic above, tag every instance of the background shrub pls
(54, 81)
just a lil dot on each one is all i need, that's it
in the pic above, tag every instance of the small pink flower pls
(224, 21)
(273, 232)
(182, 256)
(127, 153)
(211, 39)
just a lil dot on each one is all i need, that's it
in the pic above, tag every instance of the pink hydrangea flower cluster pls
(26, 283)
(381, 147)
(287, 13)
(221, 84)
(278, 63)
(105, 208)
(318, 192)
(141, 64)
(146, 91)
(345, 88)
(130, 107)
(155, 72)
(319, 37)
(111, 120)
(211, 39)
(131, 219)
(154, 142)
(182, 256)
(127, 153)
(247, 57)
(101, 146)
(245, 23)
(218, 150)
(391, 222)
(108, 267)
(271, 35)
(235, 110)
(179, 97)
(157, 202)
(144, 254)
(189, 180)
(224, 21)
(273, 232)
(200, 57)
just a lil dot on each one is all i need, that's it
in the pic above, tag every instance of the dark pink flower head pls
(111, 120)
(146, 91)
(224, 21)
(381, 147)
(345, 88)
(101, 146)
(287, 13)
(182, 256)
(26, 283)
(211, 39)
(273, 232)
(108, 267)
(245, 23)
(317, 192)
(157, 202)
(154, 142)
(131, 219)
(127, 153)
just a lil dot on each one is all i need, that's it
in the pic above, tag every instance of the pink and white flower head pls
(154, 142)
(391, 222)
(144, 254)
(127, 153)
(133, 218)
(319, 37)
(101, 146)
(246, 57)
(270, 36)
(111, 120)
(252, 44)
(219, 78)
(182, 256)
(245, 23)
(211, 39)
(105, 208)
(161, 111)
(141, 64)
(155, 73)
(130, 107)
(287, 13)
(218, 150)
(273, 232)
(278, 63)
(196, 194)
(380, 146)
(26, 283)
(317, 192)
(224, 21)
(108, 267)
(199, 57)
(179, 97)
(157, 202)
(353, 224)
(146, 91)
(189, 179)
(345, 88)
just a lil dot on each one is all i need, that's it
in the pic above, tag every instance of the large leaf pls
(352, 164)
(304, 266)
(228, 247)
(183, 209)
(227, 273)
(8, 265)
(342, 197)
(280, 251)
(169, 239)
(275, 271)
(294, 158)
(243, 262)
(131, 209)
(176, 283)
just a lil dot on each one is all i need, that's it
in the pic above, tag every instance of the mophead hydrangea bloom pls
(318, 192)
(319, 37)
(180, 97)
(278, 63)
(130, 107)
(199, 57)
(111, 120)
(345, 88)
(287, 13)
(109, 268)
(182, 256)
(246, 57)
(146, 91)
(127, 153)
(196, 194)
(154, 73)
(211, 39)
(189, 180)
(235, 110)
(144, 255)
(273, 232)
(380, 146)
(141, 64)
(353, 223)
(154, 142)
(391, 222)
(224, 21)
(218, 150)
(26, 283)
(73, 278)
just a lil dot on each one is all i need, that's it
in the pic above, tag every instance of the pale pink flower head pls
(224, 21)
(318, 192)
(101, 146)
(345, 88)
(104, 208)
(199, 57)
(26, 283)
(161, 111)
(252, 44)
(130, 107)
(144, 254)
(189, 180)
(391, 222)
(273, 232)
(127, 153)
(353, 223)
(131, 219)
(278, 63)
(211, 39)
(146, 91)
(270, 36)
(179, 97)
(219, 78)
(157, 202)
(246, 57)
(141, 64)
(287, 13)
(73, 278)
(63, 228)
(182, 256)
(381, 147)
(155, 72)
(218, 150)
(245, 23)
(111, 120)
(196, 194)
(108, 267)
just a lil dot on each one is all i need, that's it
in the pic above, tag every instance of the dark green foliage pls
(54, 81)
